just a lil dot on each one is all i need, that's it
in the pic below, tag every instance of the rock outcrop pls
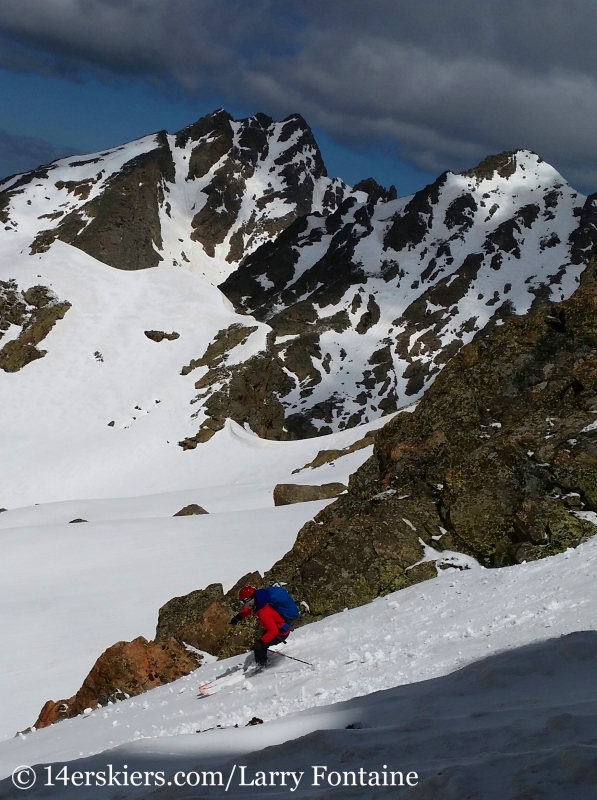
(36, 311)
(328, 456)
(202, 619)
(124, 670)
(159, 336)
(287, 493)
(121, 224)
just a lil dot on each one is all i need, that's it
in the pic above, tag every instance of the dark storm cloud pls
(449, 82)
(22, 153)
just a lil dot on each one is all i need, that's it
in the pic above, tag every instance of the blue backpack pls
(279, 599)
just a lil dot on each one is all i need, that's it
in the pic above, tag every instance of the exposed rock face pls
(36, 311)
(247, 393)
(121, 225)
(287, 493)
(190, 510)
(124, 670)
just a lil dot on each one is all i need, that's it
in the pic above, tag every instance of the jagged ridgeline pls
(354, 299)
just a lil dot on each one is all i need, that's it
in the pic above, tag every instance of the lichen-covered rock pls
(287, 493)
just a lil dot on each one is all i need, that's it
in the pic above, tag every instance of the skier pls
(273, 609)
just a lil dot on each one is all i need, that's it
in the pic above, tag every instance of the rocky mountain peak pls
(504, 164)
(209, 124)
(203, 198)
(381, 295)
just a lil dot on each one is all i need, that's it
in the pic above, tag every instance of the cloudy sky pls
(397, 89)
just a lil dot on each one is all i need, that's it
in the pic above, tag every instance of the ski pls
(231, 677)
(238, 673)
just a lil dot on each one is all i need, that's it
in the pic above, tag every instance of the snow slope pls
(496, 723)
(56, 439)
(82, 587)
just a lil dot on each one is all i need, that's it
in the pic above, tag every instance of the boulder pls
(159, 336)
(202, 619)
(124, 670)
(190, 510)
(287, 493)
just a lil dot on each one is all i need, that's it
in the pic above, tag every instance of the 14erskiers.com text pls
(238, 776)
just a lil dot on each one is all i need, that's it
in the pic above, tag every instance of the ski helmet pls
(246, 593)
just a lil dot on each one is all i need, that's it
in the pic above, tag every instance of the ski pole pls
(278, 652)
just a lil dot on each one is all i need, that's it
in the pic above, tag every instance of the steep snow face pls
(386, 290)
(202, 198)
